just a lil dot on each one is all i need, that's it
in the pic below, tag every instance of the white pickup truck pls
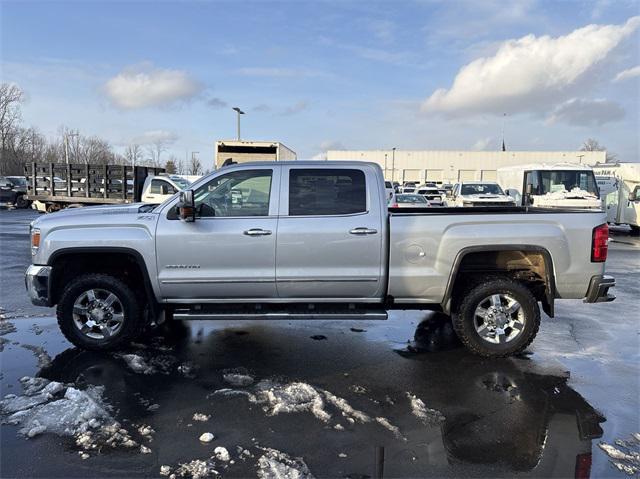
(311, 240)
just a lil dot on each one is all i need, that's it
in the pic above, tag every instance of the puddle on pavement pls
(275, 401)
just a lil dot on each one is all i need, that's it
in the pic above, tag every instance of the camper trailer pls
(562, 185)
(620, 191)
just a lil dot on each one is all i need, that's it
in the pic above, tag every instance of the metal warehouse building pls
(453, 166)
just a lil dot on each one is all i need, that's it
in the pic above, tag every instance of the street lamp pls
(393, 164)
(239, 112)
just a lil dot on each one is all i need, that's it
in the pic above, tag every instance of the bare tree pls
(195, 167)
(592, 144)
(171, 165)
(155, 150)
(133, 154)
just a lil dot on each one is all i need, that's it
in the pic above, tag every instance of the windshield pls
(481, 189)
(410, 199)
(181, 182)
(566, 180)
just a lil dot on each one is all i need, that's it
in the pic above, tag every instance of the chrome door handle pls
(363, 231)
(257, 232)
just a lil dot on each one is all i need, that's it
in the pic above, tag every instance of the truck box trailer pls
(240, 151)
(620, 187)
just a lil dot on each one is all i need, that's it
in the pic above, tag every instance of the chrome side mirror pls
(186, 206)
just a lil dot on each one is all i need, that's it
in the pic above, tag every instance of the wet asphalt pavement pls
(541, 414)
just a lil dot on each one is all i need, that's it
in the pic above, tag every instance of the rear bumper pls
(598, 291)
(37, 282)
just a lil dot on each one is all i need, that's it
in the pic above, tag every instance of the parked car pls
(311, 240)
(432, 194)
(478, 193)
(13, 191)
(410, 200)
(390, 191)
(408, 187)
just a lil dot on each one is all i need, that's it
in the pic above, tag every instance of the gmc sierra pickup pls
(311, 240)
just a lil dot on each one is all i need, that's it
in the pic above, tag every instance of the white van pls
(620, 191)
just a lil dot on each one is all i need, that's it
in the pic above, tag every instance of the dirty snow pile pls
(427, 415)
(44, 360)
(274, 464)
(199, 468)
(6, 327)
(626, 456)
(150, 362)
(52, 407)
(281, 398)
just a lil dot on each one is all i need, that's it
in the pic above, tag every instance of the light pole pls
(385, 166)
(393, 164)
(239, 112)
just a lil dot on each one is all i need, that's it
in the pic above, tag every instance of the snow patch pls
(626, 456)
(428, 416)
(6, 327)
(238, 380)
(384, 422)
(274, 464)
(221, 454)
(137, 363)
(41, 355)
(288, 398)
(201, 417)
(206, 437)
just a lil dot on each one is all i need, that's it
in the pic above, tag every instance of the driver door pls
(228, 252)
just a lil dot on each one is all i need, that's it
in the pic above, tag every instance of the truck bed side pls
(427, 248)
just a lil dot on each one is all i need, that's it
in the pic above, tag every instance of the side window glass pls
(326, 192)
(156, 187)
(240, 193)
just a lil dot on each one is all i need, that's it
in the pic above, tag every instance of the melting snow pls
(427, 415)
(384, 422)
(137, 363)
(274, 464)
(6, 327)
(625, 457)
(201, 417)
(206, 437)
(238, 380)
(221, 454)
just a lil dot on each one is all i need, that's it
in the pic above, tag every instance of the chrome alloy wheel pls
(499, 319)
(98, 314)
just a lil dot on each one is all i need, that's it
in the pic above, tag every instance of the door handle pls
(257, 232)
(363, 231)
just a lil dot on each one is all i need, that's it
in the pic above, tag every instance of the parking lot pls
(395, 398)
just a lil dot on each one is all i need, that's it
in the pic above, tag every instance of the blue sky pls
(329, 74)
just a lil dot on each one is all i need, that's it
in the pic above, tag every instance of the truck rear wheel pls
(497, 318)
(99, 312)
(22, 202)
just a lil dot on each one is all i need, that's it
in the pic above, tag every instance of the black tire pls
(464, 317)
(130, 327)
(22, 202)
(635, 230)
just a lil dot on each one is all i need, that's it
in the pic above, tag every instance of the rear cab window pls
(325, 192)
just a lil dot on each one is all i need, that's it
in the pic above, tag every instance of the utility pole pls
(239, 112)
(385, 166)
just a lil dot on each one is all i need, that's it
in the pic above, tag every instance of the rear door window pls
(326, 192)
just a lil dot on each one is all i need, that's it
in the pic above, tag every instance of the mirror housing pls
(186, 207)
(633, 196)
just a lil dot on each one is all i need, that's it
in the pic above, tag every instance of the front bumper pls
(598, 291)
(37, 282)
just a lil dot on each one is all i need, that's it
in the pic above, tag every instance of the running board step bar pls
(208, 313)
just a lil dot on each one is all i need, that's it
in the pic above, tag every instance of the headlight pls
(35, 240)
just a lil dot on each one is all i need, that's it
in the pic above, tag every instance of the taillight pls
(583, 466)
(599, 243)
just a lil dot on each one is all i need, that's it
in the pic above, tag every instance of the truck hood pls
(84, 214)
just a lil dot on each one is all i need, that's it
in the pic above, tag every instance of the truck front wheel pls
(497, 318)
(99, 312)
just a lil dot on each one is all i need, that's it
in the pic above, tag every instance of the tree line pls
(20, 145)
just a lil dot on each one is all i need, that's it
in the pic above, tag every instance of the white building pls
(453, 166)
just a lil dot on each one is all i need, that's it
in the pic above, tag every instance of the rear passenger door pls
(330, 234)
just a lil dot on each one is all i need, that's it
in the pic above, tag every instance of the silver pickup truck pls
(311, 240)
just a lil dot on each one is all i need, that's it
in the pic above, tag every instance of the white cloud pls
(155, 136)
(628, 73)
(528, 74)
(585, 112)
(383, 30)
(143, 86)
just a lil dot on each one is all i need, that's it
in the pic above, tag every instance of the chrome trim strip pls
(327, 280)
(215, 281)
(270, 300)
(363, 315)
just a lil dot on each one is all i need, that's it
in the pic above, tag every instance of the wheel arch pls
(457, 270)
(98, 259)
